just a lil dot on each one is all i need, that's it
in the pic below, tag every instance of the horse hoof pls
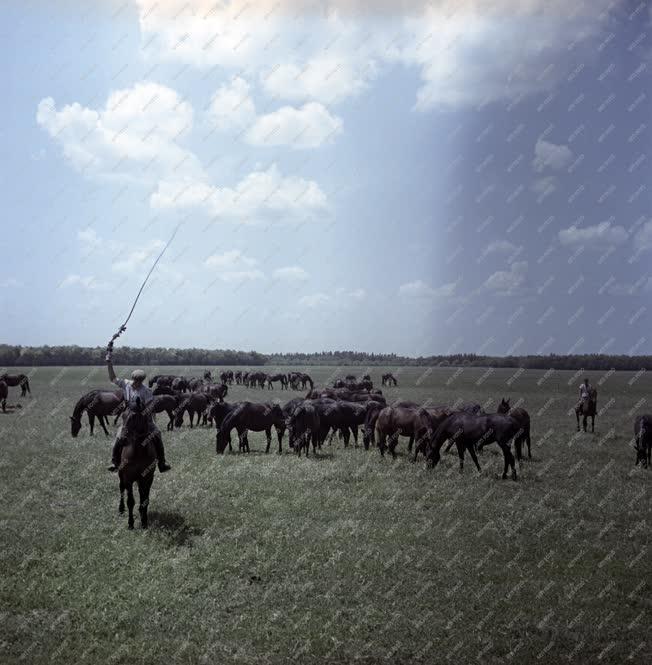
(131, 527)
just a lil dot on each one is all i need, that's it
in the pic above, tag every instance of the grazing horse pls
(468, 430)
(388, 380)
(4, 391)
(17, 380)
(523, 419)
(100, 403)
(304, 428)
(238, 377)
(249, 416)
(218, 412)
(277, 377)
(167, 403)
(586, 409)
(137, 463)
(643, 434)
(226, 377)
(393, 421)
(194, 403)
(207, 375)
(216, 391)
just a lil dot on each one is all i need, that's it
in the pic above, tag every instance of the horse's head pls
(503, 407)
(75, 426)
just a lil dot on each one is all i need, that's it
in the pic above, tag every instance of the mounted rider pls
(135, 389)
(585, 395)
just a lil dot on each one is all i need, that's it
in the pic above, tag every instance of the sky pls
(394, 177)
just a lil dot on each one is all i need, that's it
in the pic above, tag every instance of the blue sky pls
(457, 176)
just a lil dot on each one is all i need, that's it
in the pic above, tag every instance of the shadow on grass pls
(173, 527)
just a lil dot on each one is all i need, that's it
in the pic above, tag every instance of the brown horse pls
(4, 391)
(17, 380)
(249, 416)
(100, 403)
(586, 410)
(523, 419)
(137, 463)
(643, 434)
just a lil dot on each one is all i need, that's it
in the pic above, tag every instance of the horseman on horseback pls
(134, 390)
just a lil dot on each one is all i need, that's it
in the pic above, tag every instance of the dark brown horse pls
(523, 419)
(254, 417)
(588, 409)
(393, 421)
(4, 391)
(137, 463)
(194, 403)
(469, 431)
(281, 378)
(17, 380)
(643, 434)
(388, 380)
(304, 428)
(100, 403)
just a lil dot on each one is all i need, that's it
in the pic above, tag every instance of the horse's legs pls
(393, 442)
(382, 437)
(585, 419)
(474, 457)
(460, 452)
(410, 443)
(130, 504)
(191, 415)
(577, 415)
(509, 459)
(91, 422)
(518, 445)
(355, 434)
(144, 485)
(268, 434)
(171, 417)
(104, 422)
(279, 436)
(121, 505)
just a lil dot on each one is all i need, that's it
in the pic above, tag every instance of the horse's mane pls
(82, 403)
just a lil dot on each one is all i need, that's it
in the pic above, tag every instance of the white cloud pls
(550, 156)
(89, 239)
(314, 300)
(507, 282)
(465, 51)
(305, 127)
(546, 185)
(88, 283)
(265, 193)
(291, 274)
(500, 246)
(10, 283)
(419, 289)
(597, 236)
(234, 266)
(137, 259)
(231, 106)
(133, 136)
(643, 239)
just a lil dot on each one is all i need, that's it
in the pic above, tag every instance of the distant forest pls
(29, 356)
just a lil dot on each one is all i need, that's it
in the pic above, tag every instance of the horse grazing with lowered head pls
(100, 403)
(469, 431)
(388, 380)
(587, 409)
(17, 380)
(137, 463)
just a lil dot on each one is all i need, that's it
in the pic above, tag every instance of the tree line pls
(30, 356)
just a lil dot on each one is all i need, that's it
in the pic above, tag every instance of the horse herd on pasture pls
(345, 408)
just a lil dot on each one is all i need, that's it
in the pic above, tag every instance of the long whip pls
(123, 327)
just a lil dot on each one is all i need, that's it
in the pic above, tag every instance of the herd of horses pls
(350, 408)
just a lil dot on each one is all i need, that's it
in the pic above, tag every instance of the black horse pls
(643, 434)
(100, 403)
(587, 409)
(254, 417)
(469, 431)
(17, 380)
(388, 380)
(523, 418)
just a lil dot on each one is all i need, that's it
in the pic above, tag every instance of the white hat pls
(138, 374)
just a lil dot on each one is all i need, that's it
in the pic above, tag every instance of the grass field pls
(342, 558)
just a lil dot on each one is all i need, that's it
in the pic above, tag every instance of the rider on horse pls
(132, 390)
